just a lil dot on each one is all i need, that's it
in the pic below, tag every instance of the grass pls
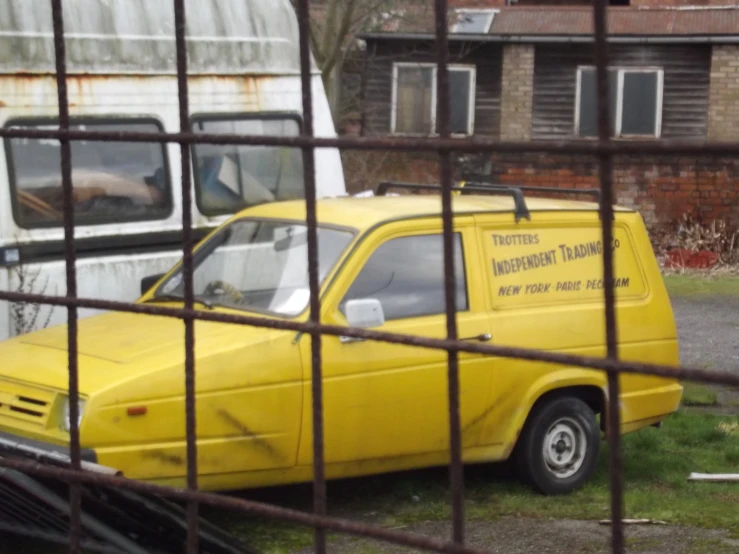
(656, 462)
(695, 285)
(696, 394)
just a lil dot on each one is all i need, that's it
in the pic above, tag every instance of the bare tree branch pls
(344, 30)
(336, 23)
(328, 29)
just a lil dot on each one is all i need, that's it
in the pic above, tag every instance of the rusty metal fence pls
(603, 148)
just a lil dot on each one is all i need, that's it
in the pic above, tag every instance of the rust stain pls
(83, 88)
(3, 104)
(248, 85)
(246, 432)
(169, 459)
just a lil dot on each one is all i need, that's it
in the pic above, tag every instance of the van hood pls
(116, 347)
(125, 338)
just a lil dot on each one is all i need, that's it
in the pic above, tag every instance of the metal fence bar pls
(684, 373)
(671, 148)
(605, 173)
(75, 493)
(319, 479)
(443, 129)
(180, 18)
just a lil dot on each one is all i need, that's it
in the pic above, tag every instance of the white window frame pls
(619, 99)
(470, 68)
(490, 13)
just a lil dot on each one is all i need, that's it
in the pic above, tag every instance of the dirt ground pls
(523, 536)
(708, 330)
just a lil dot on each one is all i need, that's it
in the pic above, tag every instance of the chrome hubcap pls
(565, 445)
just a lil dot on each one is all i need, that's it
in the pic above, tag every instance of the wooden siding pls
(686, 86)
(377, 96)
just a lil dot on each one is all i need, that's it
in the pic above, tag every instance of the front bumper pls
(13, 446)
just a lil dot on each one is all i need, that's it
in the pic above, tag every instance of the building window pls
(635, 98)
(229, 178)
(414, 99)
(112, 182)
(473, 21)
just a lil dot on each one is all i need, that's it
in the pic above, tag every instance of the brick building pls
(524, 73)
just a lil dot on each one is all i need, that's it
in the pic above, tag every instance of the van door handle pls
(484, 337)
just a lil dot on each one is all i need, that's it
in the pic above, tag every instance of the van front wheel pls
(559, 448)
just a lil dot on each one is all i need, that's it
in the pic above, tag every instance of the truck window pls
(112, 182)
(229, 178)
(558, 265)
(407, 276)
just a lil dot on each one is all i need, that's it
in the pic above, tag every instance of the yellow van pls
(528, 274)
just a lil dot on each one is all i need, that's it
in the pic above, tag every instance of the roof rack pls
(521, 210)
(551, 190)
(516, 191)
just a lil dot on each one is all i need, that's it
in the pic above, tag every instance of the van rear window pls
(229, 178)
(112, 182)
(552, 265)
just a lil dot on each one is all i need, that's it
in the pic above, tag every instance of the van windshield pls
(258, 266)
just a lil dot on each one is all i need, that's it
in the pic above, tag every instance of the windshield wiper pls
(176, 298)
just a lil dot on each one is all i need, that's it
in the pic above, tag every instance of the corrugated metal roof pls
(137, 36)
(578, 20)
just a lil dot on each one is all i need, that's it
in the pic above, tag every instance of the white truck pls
(244, 77)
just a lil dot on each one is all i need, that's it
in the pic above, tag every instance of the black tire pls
(568, 427)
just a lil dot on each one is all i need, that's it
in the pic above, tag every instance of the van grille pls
(25, 403)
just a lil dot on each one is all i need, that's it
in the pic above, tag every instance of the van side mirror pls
(150, 281)
(365, 314)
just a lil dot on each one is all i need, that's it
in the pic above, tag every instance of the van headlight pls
(66, 416)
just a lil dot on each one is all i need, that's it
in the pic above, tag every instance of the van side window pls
(112, 182)
(407, 276)
(229, 178)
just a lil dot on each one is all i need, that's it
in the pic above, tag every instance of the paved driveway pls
(708, 330)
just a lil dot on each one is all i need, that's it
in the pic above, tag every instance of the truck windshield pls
(112, 182)
(258, 266)
(229, 178)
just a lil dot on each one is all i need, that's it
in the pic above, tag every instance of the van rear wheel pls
(559, 448)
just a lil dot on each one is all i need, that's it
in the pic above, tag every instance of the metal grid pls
(444, 145)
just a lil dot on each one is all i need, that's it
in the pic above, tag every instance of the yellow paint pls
(385, 406)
